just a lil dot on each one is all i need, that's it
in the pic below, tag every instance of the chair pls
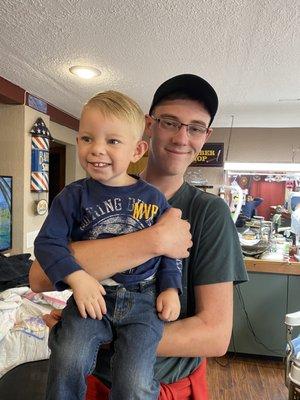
(292, 365)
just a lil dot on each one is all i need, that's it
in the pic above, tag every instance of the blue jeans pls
(131, 322)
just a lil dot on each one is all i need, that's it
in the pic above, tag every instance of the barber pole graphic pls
(40, 157)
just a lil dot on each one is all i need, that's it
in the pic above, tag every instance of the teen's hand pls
(88, 294)
(174, 234)
(53, 318)
(168, 305)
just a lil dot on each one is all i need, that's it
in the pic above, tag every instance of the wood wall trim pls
(11, 93)
(55, 114)
(62, 118)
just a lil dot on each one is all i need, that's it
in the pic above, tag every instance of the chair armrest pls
(293, 319)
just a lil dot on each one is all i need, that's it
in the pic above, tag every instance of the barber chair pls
(292, 360)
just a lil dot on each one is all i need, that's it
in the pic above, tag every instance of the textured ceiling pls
(249, 51)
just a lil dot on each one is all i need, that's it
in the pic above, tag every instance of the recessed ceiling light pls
(84, 72)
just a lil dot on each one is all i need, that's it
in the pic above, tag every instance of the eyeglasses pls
(173, 126)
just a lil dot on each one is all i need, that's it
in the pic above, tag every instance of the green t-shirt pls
(215, 257)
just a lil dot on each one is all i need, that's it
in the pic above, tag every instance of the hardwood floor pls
(241, 378)
(246, 378)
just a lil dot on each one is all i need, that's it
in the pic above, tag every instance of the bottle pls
(286, 251)
(272, 246)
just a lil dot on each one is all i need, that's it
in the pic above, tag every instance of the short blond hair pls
(120, 106)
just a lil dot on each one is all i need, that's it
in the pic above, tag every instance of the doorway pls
(57, 169)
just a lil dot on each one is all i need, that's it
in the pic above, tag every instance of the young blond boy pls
(108, 203)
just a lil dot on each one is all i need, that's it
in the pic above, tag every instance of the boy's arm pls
(103, 258)
(168, 305)
(51, 244)
(207, 333)
(169, 284)
(169, 274)
(257, 201)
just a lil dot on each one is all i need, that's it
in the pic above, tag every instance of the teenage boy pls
(215, 260)
(108, 203)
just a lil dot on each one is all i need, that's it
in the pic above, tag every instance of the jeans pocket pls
(150, 290)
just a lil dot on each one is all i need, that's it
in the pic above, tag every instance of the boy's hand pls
(88, 294)
(168, 305)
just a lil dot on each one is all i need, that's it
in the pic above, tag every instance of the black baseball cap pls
(194, 86)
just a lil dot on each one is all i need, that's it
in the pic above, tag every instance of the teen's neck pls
(168, 185)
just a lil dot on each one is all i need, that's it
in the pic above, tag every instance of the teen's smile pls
(177, 151)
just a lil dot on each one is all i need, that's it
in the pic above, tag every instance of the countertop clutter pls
(268, 251)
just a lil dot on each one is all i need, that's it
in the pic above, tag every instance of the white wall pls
(32, 222)
(12, 163)
(15, 159)
(259, 144)
(246, 145)
(68, 137)
(253, 145)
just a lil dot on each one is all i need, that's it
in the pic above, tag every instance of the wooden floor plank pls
(243, 377)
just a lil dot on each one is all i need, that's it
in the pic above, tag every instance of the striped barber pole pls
(39, 182)
(40, 143)
(40, 157)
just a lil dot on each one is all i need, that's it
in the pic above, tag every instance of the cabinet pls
(294, 294)
(294, 298)
(264, 299)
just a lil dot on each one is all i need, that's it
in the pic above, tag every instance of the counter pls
(261, 304)
(272, 267)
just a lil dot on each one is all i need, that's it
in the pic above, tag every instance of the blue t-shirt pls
(248, 209)
(87, 210)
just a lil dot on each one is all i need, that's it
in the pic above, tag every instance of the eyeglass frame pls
(180, 125)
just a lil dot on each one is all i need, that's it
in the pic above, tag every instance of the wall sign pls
(41, 207)
(211, 155)
(36, 103)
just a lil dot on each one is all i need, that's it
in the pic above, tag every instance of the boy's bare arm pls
(103, 258)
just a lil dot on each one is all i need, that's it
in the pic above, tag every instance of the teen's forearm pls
(190, 337)
(170, 236)
(207, 334)
(105, 257)
(38, 280)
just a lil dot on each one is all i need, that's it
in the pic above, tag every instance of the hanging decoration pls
(244, 181)
(256, 178)
(40, 142)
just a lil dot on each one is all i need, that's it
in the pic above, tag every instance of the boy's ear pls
(140, 150)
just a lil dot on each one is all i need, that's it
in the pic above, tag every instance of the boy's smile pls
(106, 146)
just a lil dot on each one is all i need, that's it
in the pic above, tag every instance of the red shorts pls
(193, 387)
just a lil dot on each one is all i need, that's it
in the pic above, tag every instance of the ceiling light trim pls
(84, 72)
(279, 167)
